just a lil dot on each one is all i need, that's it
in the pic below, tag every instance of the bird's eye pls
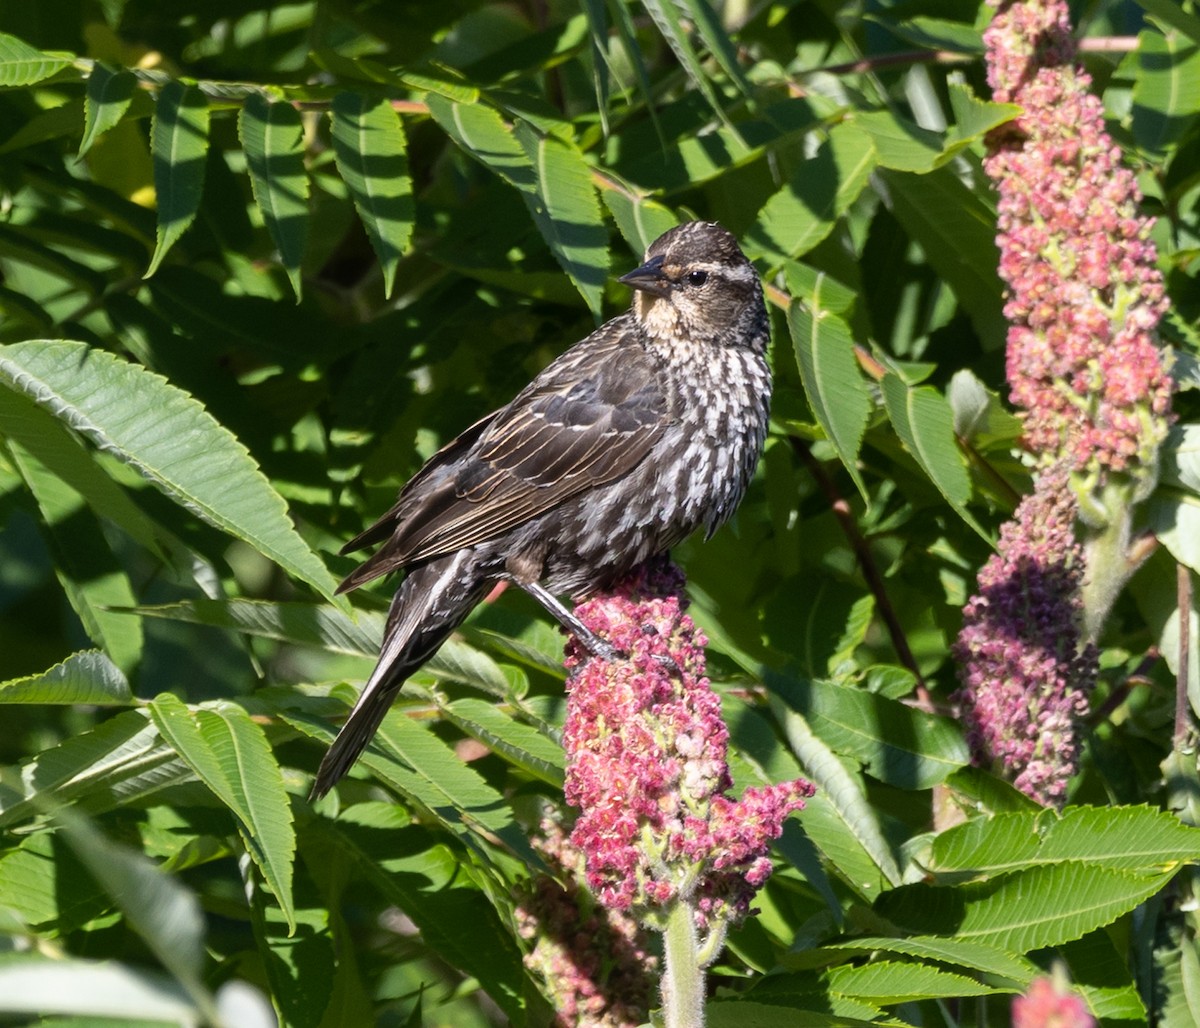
(697, 278)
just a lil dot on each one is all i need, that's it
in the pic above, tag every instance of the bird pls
(641, 433)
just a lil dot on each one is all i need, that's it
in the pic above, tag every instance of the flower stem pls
(683, 978)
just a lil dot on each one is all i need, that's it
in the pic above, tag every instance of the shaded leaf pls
(640, 220)
(121, 759)
(159, 908)
(667, 20)
(567, 212)
(838, 818)
(1166, 88)
(957, 231)
(273, 139)
(93, 579)
(109, 94)
(518, 743)
(179, 145)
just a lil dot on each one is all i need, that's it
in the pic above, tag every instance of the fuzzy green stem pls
(1110, 561)
(683, 978)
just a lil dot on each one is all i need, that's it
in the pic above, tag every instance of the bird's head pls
(697, 285)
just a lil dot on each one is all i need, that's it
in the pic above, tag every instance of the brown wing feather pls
(571, 429)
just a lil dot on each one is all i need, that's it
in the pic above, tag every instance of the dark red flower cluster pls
(595, 961)
(1025, 676)
(646, 750)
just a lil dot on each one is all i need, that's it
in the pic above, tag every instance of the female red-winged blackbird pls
(646, 430)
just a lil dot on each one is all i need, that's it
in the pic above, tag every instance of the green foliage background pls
(258, 263)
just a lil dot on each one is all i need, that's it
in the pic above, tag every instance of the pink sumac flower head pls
(646, 753)
(594, 960)
(1050, 1003)
(1084, 295)
(1025, 673)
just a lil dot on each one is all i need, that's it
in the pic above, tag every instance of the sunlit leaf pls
(85, 677)
(836, 390)
(231, 755)
(22, 65)
(167, 437)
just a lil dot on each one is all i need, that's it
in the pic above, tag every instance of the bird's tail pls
(431, 603)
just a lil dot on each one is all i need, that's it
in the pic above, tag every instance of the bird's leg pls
(590, 641)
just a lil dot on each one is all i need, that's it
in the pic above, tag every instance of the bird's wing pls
(444, 457)
(591, 417)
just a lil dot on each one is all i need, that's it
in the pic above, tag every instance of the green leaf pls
(168, 438)
(161, 910)
(1166, 88)
(640, 220)
(273, 139)
(717, 42)
(58, 449)
(308, 624)
(425, 880)
(886, 982)
(973, 119)
(820, 190)
(898, 745)
(411, 759)
(1170, 13)
(312, 971)
(369, 146)
(925, 424)
(554, 181)
(977, 956)
(1044, 906)
(518, 743)
(746, 1014)
(179, 146)
(22, 65)
(1099, 969)
(665, 15)
(480, 131)
(1137, 839)
(90, 574)
(838, 819)
(109, 94)
(836, 390)
(957, 231)
(230, 754)
(41, 986)
(900, 144)
(567, 212)
(86, 677)
(121, 759)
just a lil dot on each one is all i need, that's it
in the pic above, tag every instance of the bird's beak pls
(649, 278)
